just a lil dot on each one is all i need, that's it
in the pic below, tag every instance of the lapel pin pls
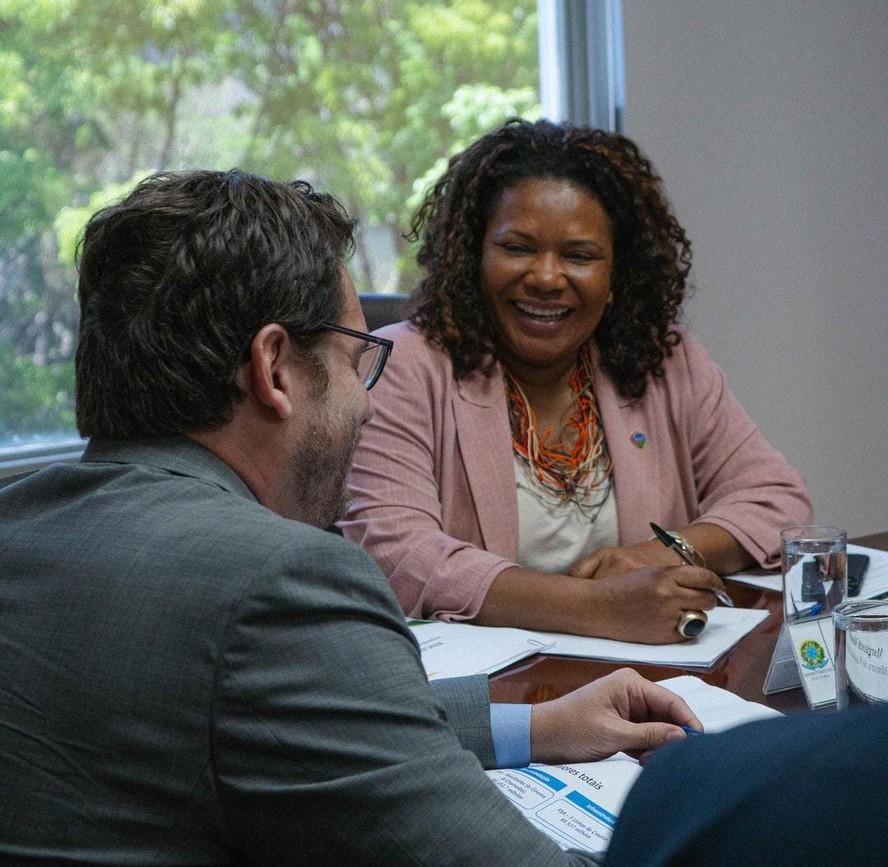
(639, 440)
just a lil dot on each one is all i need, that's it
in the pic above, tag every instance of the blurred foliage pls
(365, 98)
(36, 397)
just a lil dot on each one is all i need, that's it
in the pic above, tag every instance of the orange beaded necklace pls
(564, 473)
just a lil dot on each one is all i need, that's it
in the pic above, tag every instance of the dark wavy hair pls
(652, 256)
(177, 279)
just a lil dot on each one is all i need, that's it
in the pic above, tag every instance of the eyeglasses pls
(375, 353)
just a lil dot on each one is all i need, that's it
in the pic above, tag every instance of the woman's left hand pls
(616, 561)
(721, 551)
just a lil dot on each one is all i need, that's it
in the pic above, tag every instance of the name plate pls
(805, 656)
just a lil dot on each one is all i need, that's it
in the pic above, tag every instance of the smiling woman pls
(542, 406)
(546, 266)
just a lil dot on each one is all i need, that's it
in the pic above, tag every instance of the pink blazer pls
(433, 486)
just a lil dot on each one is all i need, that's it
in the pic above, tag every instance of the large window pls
(365, 98)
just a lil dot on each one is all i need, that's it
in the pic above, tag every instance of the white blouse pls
(552, 535)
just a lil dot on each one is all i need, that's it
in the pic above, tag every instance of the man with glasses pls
(192, 671)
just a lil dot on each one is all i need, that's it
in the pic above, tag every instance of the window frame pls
(581, 62)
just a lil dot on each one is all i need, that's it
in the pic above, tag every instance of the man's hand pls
(620, 712)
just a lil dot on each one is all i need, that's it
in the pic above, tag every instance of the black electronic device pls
(857, 566)
(812, 583)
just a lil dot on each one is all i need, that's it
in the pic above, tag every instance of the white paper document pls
(577, 805)
(717, 708)
(725, 628)
(875, 583)
(459, 649)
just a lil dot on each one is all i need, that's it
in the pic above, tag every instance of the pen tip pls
(725, 599)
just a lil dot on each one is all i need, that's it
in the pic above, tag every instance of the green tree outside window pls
(366, 98)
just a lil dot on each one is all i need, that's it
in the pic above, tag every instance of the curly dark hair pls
(652, 255)
(177, 279)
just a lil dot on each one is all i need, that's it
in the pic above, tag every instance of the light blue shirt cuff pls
(510, 728)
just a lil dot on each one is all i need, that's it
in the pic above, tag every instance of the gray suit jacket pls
(188, 678)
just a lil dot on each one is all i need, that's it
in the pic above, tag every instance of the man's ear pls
(272, 373)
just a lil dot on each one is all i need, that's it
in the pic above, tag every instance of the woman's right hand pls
(642, 605)
(645, 604)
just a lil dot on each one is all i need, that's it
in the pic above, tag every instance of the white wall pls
(768, 121)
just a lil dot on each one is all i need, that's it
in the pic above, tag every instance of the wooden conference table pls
(742, 670)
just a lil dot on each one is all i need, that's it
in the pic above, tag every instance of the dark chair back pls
(382, 309)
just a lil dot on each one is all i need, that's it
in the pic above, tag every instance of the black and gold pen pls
(671, 542)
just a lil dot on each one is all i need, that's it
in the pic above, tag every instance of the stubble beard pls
(321, 469)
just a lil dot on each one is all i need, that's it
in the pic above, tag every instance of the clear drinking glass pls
(815, 567)
(861, 653)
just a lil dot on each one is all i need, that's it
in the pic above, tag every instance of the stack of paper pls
(458, 649)
(725, 628)
(717, 708)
